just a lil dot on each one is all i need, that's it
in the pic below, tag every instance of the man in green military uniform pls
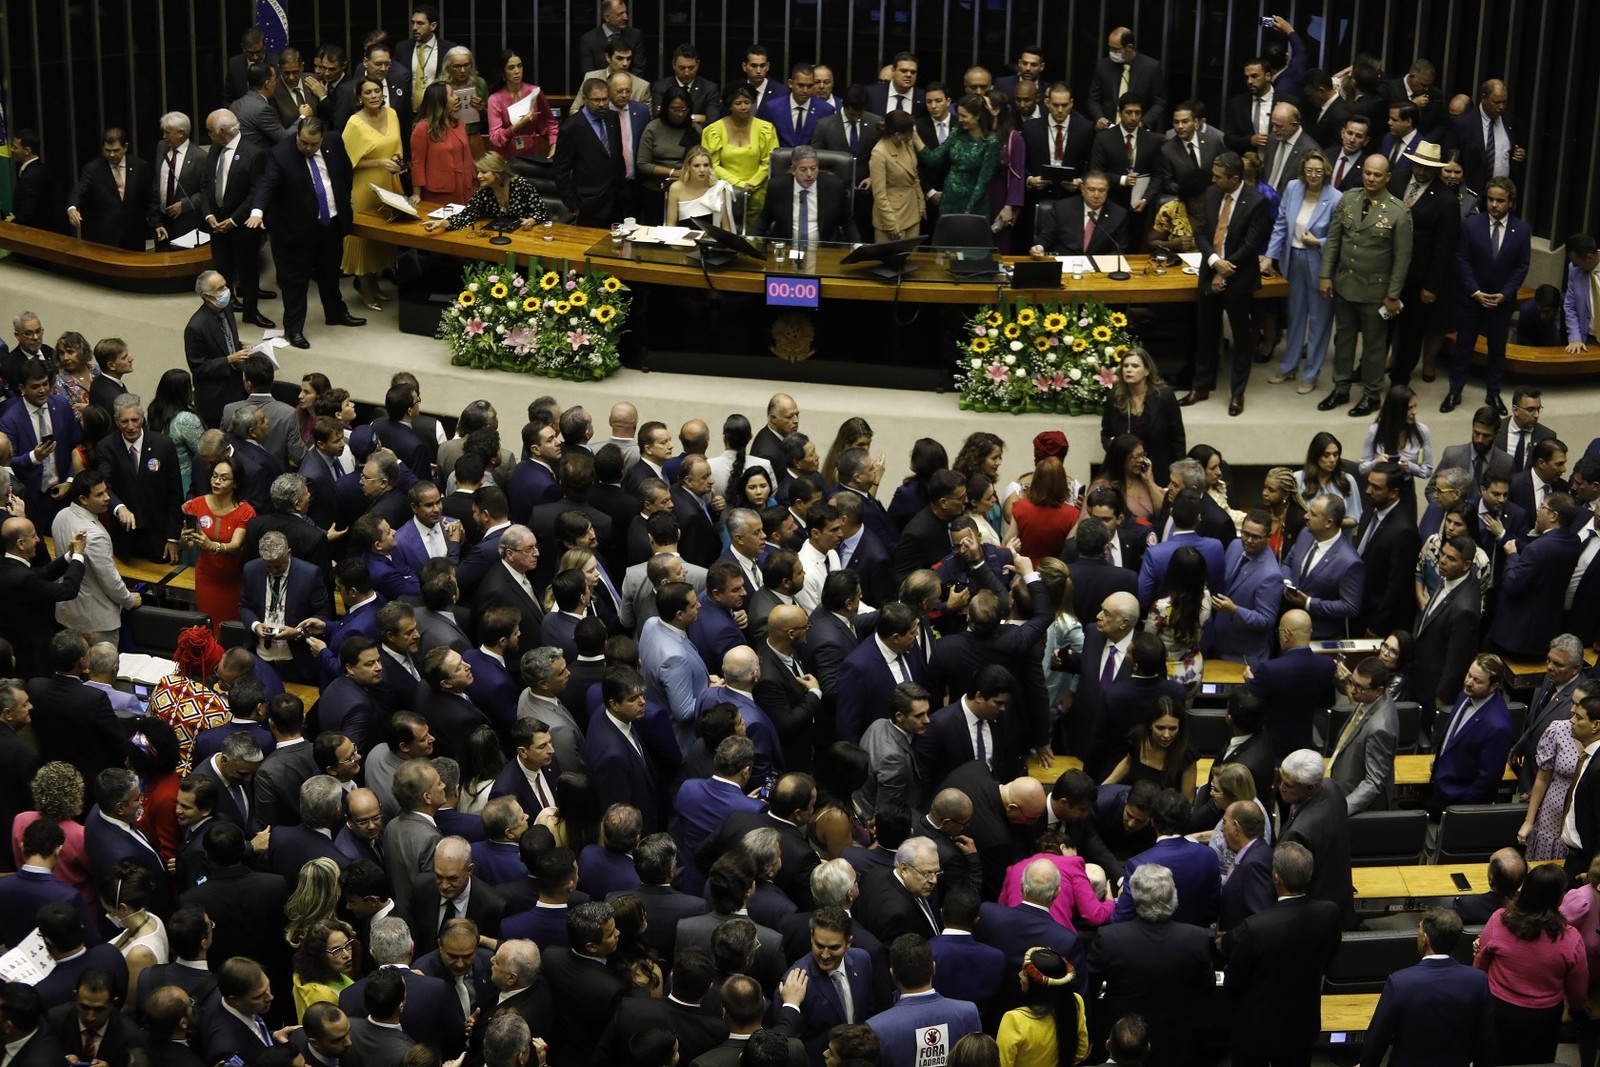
(1364, 262)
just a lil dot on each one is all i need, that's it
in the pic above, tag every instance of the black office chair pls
(1471, 833)
(1388, 838)
(1209, 731)
(154, 631)
(1366, 958)
(1043, 210)
(539, 171)
(1410, 715)
(235, 634)
(969, 240)
(841, 165)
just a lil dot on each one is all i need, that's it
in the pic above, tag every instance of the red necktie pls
(1338, 178)
(1088, 233)
(1061, 142)
(1130, 149)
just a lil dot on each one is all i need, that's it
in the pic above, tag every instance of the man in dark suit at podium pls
(304, 200)
(806, 206)
(588, 161)
(114, 197)
(1085, 225)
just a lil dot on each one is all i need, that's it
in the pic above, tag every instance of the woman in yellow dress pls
(741, 146)
(1048, 1029)
(372, 140)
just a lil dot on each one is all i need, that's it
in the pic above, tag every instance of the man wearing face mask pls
(213, 349)
(1126, 70)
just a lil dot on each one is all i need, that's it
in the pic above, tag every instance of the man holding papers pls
(1083, 225)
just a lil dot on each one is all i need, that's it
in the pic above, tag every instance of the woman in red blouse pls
(441, 158)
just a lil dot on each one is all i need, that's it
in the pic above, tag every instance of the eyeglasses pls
(348, 946)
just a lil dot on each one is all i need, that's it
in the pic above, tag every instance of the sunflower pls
(1055, 323)
(980, 345)
(1118, 319)
(611, 285)
(1079, 344)
(1042, 343)
(1102, 333)
(1013, 331)
(1027, 317)
(1122, 350)
(467, 298)
(562, 307)
(993, 319)
(550, 280)
(500, 291)
(531, 304)
(604, 313)
(578, 299)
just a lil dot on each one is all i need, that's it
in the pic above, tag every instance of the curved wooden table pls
(575, 244)
(166, 271)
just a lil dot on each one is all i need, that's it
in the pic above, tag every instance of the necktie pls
(944, 131)
(539, 791)
(452, 910)
(133, 458)
(1412, 190)
(854, 138)
(1088, 232)
(1369, 523)
(324, 215)
(1305, 568)
(903, 667)
(1223, 218)
(1366, 206)
(804, 231)
(799, 118)
(633, 739)
(1477, 469)
(464, 994)
(1338, 174)
(262, 1032)
(1122, 86)
(1108, 673)
(983, 748)
(275, 605)
(1572, 790)
(1255, 116)
(1521, 451)
(172, 177)
(41, 428)
(1350, 729)
(241, 799)
(1394, 153)
(1061, 143)
(599, 126)
(1494, 238)
(1544, 699)
(1544, 492)
(91, 1044)
(847, 999)
(899, 102)
(1128, 140)
(1455, 724)
(1427, 609)
(1194, 156)
(1233, 572)
(224, 158)
(1488, 146)
(419, 81)
(627, 143)
(1280, 156)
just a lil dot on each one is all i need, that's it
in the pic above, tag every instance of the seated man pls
(1085, 225)
(806, 206)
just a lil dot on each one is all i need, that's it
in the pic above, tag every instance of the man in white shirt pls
(179, 178)
(825, 528)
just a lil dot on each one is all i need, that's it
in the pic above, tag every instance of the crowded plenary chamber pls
(680, 717)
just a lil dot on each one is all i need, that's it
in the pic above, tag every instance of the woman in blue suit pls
(1296, 246)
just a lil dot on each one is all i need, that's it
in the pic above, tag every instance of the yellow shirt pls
(1028, 1040)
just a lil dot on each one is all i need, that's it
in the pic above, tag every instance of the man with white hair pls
(1105, 662)
(898, 900)
(1027, 925)
(233, 168)
(516, 970)
(432, 1011)
(1318, 821)
(1153, 965)
(451, 892)
(179, 179)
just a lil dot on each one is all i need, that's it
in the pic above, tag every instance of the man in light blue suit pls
(1583, 259)
(429, 534)
(1185, 515)
(796, 115)
(674, 675)
(1438, 1011)
(1245, 609)
(839, 987)
(903, 1028)
(1323, 574)
(1194, 867)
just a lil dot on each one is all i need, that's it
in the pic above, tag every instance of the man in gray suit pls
(1482, 454)
(179, 170)
(377, 1038)
(895, 775)
(1552, 702)
(409, 840)
(1288, 145)
(544, 671)
(258, 116)
(283, 438)
(1364, 262)
(96, 612)
(1363, 760)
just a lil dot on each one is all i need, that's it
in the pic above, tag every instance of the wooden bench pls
(1536, 362)
(167, 271)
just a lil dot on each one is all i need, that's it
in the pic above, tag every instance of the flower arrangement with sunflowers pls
(1054, 358)
(542, 320)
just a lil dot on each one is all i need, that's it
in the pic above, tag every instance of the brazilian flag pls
(5, 160)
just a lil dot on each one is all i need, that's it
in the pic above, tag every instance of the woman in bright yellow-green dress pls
(323, 963)
(372, 141)
(741, 146)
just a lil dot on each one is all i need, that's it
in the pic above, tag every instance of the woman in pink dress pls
(1080, 903)
(1007, 188)
(217, 530)
(532, 135)
(58, 797)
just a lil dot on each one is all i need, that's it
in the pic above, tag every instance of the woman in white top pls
(700, 195)
(1323, 474)
(736, 437)
(1296, 249)
(143, 939)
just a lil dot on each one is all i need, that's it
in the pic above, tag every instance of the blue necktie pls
(805, 218)
(324, 216)
(983, 749)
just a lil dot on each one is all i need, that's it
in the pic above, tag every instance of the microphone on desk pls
(1116, 275)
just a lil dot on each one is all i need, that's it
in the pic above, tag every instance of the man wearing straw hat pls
(1429, 293)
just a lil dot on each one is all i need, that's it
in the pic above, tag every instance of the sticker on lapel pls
(152, 464)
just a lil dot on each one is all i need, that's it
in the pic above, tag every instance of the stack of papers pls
(522, 108)
(678, 236)
(446, 211)
(192, 239)
(29, 962)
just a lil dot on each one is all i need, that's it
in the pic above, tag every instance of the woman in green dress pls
(972, 154)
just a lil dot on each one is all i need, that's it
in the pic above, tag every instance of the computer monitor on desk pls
(719, 247)
(893, 257)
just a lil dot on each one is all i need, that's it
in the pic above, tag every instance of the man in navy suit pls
(1486, 137)
(702, 803)
(870, 672)
(719, 624)
(1323, 573)
(1194, 866)
(496, 683)
(796, 114)
(110, 837)
(1437, 1011)
(588, 163)
(1105, 661)
(900, 92)
(977, 726)
(966, 965)
(35, 885)
(280, 592)
(834, 632)
(614, 753)
(1185, 515)
(1085, 225)
(839, 989)
(429, 534)
(1246, 607)
(432, 1011)
(1027, 925)
(36, 463)
(1248, 888)
(806, 205)
(1294, 685)
(292, 847)
(1493, 259)
(304, 201)
(1472, 742)
(919, 1007)
(1388, 543)
(1230, 273)
(1528, 611)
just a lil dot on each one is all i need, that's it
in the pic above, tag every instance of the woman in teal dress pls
(972, 154)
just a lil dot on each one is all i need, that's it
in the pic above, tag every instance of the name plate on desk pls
(789, 291)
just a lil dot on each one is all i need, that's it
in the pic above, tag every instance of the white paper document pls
(466, 112)
(1190, 259)
(1076, 264)
(1141, 185)
(1107, 264)
(29, 962)
(522, 108)
(682, 236)
(446, 211)
(145, 670)
(394, 201)
(192, 239)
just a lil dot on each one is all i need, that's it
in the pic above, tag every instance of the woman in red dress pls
(217, 530)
